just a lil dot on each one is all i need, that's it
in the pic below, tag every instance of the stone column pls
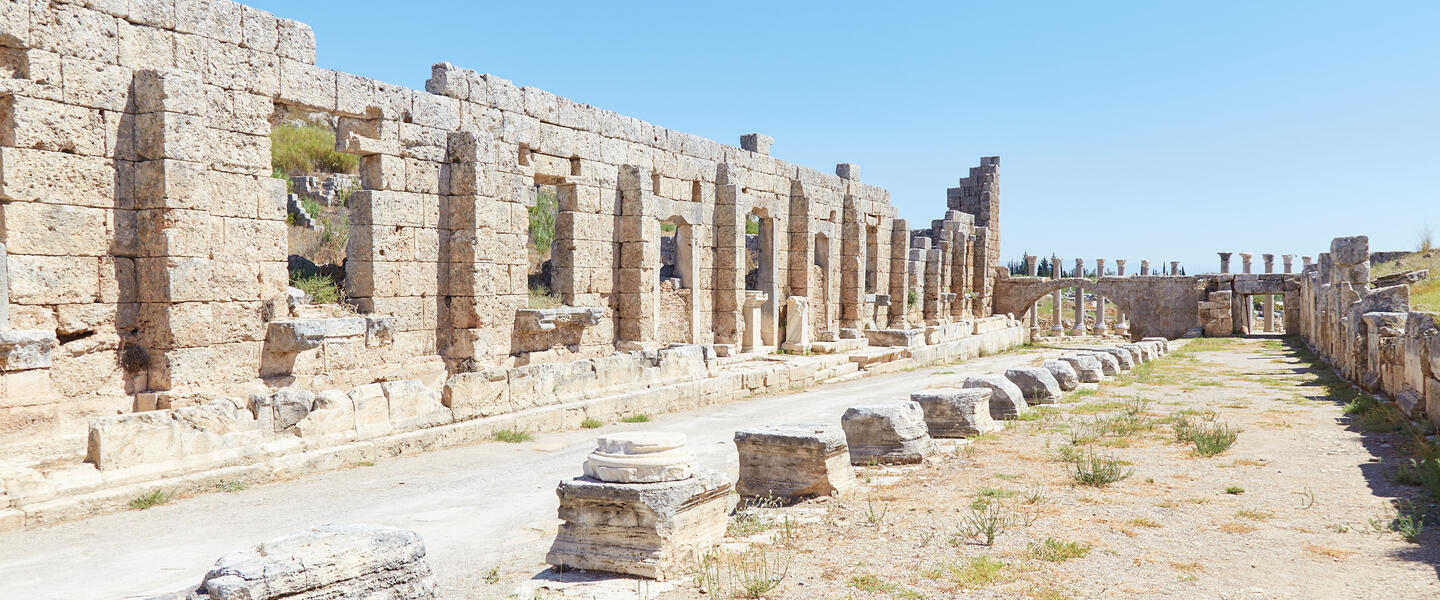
(637, 309)
(1245, 261)
(1307, 261)
(899, 281)
(1269, 298)
(751, 339)
(1225, 262)
(1057, 270)
(1032, 269)
(1174, 268)
(1100, 328)
(1289, 262)
(1144, 267)
(1120, 316)
(1079, 328)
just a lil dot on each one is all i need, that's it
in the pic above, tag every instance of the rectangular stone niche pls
(652, 530)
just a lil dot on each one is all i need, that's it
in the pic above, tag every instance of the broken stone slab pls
(1109, 366)
(793, 462)
(1137, 354)
(159, 436)
(1087, 367)
(329, 561)
(282, 409)
(653, 530)
(908, 338)
(1037, 384)
(1006, 399)
(1122, 356)
(549, 319)
(411, 405)
(25, 350)
(887, 433)
(1064, 374)
(298, 335)
(956, 413)
(641, 457)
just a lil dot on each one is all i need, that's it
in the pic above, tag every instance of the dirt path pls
(1298, 507)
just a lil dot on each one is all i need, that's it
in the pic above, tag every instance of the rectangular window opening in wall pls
(872, 259)
(524, 157)
(695, 191)
(320, 182)
(655, 183)
(674, 294)
(575, 168)
(540, 246)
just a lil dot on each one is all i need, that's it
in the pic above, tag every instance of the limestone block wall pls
(143, 227)
(1370, 335)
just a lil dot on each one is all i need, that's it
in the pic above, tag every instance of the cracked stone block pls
(793, 462)
(887, 433)
(653, 530)
(1006, 400)
(1063, 373)
(1137, 354)
(1122, 356)
(329, 561)
(1162, 344)
(299, 335)
(1086, 366)
(1109, 366)
(1036, 384)
(956, 413)
(25, 350)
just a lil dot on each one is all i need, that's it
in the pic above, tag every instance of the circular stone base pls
(641, 457)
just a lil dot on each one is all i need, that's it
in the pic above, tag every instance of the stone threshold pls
(56, 502)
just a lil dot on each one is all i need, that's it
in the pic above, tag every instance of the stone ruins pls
(147, 323)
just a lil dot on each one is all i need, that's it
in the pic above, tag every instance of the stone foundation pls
(793, 462)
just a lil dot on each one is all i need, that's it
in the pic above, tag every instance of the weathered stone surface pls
(652, 530)
(1037, 384)
(954, 413)
(1109, 366)
(886, 433)
(411, 405)
(548, 319)
(641, 457)
(1064, 374)
(792, 462)
(330, 561)
(1137, 354)
(1124, 361)
(23, 350)
(908, 338)
(1086, 366)
(1007, 401)
(160, 436)
(1162, 344)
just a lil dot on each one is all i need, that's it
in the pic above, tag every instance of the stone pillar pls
(1225, 262)
(1144, 267)
(1307, 261)
(1174, 267)
(1100, 327)
(1120, 325)
(1245, 260)
(1032, 269)
(1079, 327)
(4, 290)
(637, 306)
(1269, 298)
(1289, 262)
(899, 281)
(1057, 270)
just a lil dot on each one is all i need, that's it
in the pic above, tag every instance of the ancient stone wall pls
(147, 239)
(1370, 335)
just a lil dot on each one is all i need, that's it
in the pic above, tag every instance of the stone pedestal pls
(652, 529)
(1057, 309)
(1006, 399)
(793, 462)
(752, 339)
(1064, 374)
(797, 324)
(1224, 262)
(1037, 385)
(887, 433)
(1087, 367)
(956, 413)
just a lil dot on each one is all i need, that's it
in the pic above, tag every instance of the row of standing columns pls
(1246, 263)
(1057, 271)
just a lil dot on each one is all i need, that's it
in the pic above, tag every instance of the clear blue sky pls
(1160, 130)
